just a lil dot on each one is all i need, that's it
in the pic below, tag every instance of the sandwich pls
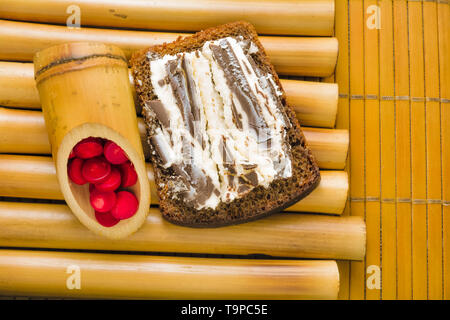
(225, 146)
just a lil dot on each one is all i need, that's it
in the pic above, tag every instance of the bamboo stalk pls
(40, 225)
(24, 132)
(305, 17)
(444, 94)
(314, 102)
(17, 85)
(418, 152)
(372, 142)
(403, 152)
(35, 177)
(329, 146)
(387, 137)
(44, 273)
(433, 143)
(290, 55)
(85, 92)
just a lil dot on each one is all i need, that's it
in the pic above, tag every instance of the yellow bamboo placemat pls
(393, 73)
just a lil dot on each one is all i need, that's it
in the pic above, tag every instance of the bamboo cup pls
(41, 225)
(43, 273)
(24, 132)
(305, 17)
(314, 102)
(84, 91)
(290, 55)
(35, 177)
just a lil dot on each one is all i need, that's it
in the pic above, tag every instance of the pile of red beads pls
(105, 166)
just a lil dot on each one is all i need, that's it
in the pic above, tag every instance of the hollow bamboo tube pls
(35, 177)
(85, 92)
(17, 85)
(290, 55)
(43, 273)
(315, 103)
(24, 132)
(41, 225)
(305, 17)
(329, 146)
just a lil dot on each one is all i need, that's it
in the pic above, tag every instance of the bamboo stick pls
(305, 17)
(372, 143)
(35, 177)
(17, 85)
(329, 146)
(418, 147)
(444, 94)
(85, 92)
(44, 273)
(314, 102)
(356, 125)
(40, 225)
(24, 132)
(403, 152)
(433, 151)
(387, 137)
(290, 55)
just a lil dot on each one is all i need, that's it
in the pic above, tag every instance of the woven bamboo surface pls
(394, 87)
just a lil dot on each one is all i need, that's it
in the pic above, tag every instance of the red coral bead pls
(111, 183)
(114, 154)
(74, 171)
(102, 201)
(96, 170)
(88, 148)
(126, 205)
(106, 219)
(129, 175)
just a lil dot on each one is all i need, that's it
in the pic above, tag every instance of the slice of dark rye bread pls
(260, 201)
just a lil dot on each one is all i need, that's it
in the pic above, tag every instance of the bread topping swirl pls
(220, 123)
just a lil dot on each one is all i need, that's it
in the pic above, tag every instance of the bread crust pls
(260, 201)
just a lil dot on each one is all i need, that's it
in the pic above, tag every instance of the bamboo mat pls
(394, 98)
